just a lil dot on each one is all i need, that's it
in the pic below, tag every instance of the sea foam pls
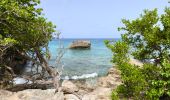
(84, 76)
(19, 80)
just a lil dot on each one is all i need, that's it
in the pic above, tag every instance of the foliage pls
(114, 95)
(146, 38)
(131, 75)
(160, 85)
(24, 34)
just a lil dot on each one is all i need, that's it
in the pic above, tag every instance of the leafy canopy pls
(147, 39)
(24, 34)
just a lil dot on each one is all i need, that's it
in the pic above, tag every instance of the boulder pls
(68, 87)
(80, 44)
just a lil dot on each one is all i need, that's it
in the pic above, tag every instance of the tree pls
(146, 38)
(24, 35)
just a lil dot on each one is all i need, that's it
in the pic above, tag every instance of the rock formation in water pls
(80, 44)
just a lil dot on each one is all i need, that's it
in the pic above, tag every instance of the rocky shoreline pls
(70, 90)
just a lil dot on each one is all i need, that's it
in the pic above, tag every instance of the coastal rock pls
(99, 93)
(58, 96)
(34, 94)
(70, 91)
(112, 80)
(113, 71)
(80, 44)
(68, 87)
(70, 97)
(4, 94)
(81, 93)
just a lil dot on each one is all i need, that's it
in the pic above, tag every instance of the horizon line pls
(90, 38)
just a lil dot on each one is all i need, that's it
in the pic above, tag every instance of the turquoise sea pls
(80, 64)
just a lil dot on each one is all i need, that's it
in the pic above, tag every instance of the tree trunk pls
(44, 64)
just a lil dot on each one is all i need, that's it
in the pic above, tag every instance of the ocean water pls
(80, 64)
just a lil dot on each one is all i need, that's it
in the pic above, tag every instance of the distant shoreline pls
(87, 38)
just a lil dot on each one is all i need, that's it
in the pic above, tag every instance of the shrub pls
(145, 40)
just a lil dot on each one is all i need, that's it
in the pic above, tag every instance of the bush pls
(144, 40)
(24, 33)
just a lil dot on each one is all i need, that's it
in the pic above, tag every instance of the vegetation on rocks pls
(147, 39)
(24, 35)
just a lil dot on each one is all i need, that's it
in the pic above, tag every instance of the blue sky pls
(95, 18)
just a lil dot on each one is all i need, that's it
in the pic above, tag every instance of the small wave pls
(84, 76)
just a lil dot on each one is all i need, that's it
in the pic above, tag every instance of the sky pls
(95, 18)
